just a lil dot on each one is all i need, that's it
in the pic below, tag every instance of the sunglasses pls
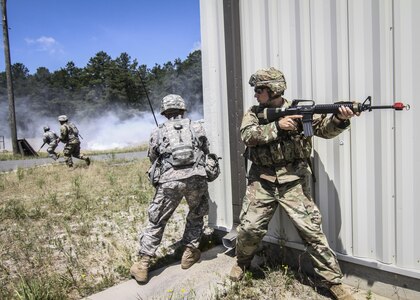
(259, 91)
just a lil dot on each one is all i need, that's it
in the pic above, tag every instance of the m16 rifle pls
(307, 108)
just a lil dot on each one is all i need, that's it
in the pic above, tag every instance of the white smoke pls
(112, 130)
(109, 132)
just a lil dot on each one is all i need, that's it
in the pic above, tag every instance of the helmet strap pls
(271, 95)
(273, 98)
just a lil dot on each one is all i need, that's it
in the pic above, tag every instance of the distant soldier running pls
(51, 139)
(69, 134)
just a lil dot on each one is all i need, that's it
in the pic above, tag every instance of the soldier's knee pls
(250, 232)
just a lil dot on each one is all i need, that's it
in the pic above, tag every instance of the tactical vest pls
(73, 131)
(177, 142)
(50, 136)
(290, 146)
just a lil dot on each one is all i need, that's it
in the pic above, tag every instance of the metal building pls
(329, 50)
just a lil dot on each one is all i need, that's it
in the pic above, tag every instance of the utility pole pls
(10, 95)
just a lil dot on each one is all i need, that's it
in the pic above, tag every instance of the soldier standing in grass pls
(51, 139)
(69, 134)
(279, 175)
(177, 150)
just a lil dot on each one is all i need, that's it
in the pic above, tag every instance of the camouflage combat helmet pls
(63, 118)
(270, 78)
(46, 128)
(172, 102)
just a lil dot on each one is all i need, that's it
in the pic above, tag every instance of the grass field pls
(67, 234)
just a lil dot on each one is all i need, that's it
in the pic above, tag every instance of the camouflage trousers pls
(166, 200)
(72, 150)
(51, 150)
(260, 203)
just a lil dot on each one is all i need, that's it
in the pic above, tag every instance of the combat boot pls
(190, 257)
(140, 269)
(340, 292)
(238, 271)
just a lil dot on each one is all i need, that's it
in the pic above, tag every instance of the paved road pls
(10, 165)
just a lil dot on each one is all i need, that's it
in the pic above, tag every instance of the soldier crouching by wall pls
(69, 134)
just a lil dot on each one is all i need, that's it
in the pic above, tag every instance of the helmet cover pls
(62, 118)
(172, 102)
(270, 78)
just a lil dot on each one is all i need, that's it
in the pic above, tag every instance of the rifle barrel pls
(382, 107)
(396, 106)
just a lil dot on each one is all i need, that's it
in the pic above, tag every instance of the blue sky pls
(50, 33)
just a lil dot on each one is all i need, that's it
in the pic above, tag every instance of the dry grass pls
(67, 234)
(266, 284)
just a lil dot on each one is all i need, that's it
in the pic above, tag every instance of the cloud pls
(45, 44)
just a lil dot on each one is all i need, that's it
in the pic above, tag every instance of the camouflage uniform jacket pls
(67, 136)
(50, 137)
(157, 145)
(278, 154)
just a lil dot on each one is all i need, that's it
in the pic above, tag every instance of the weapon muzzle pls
(400, 106)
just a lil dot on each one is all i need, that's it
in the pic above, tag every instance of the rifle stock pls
(307, 108)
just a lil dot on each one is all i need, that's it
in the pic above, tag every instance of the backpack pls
(73, 131)
(178, 142)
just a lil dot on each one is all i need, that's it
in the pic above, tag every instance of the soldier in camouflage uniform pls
(51, 139)
(69, 135)
(279, 175)
(172, 184)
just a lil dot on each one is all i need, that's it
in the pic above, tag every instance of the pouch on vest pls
(154, 173)
(178, 141)
(212, 167)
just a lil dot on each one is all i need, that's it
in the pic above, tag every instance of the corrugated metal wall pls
(215, 109)
(333, 50)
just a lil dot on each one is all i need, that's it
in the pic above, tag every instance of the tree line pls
(105, 84)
